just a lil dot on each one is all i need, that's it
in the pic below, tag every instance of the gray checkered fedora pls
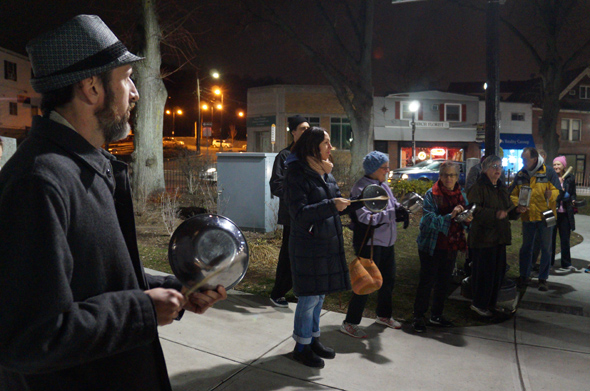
(81, 48)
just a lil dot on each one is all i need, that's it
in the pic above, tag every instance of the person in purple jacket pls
(383, 224)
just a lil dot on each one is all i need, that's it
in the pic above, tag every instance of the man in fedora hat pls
(78, 311)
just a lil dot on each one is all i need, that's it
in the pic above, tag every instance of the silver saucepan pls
(208, 250)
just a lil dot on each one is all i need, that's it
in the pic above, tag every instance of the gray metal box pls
(243, 191)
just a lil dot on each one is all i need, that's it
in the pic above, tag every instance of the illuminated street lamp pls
(174, 112)
(214, 74)
(414, 107)
(217, 91)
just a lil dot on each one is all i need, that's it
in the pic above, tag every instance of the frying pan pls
(208, 250)
(374, 198)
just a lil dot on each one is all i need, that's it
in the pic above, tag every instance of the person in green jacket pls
(489, 234)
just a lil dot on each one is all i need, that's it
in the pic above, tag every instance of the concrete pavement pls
(245, 344)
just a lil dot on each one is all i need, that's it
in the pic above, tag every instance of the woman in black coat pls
(316, 247)
(565, 213)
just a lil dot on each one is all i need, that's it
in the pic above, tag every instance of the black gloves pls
(401, 214)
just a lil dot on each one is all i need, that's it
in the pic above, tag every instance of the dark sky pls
(415, 44)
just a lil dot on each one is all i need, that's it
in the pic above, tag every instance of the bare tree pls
(233, 132)
(340, 46)
(550, 30)
(148, 163)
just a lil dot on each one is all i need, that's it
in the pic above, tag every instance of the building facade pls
(18, 101)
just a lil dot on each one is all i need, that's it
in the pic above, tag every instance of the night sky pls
(417, 44)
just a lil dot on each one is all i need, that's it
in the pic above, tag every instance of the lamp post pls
(217, 91)
(215, 75)
(174, 112)
(414, 106)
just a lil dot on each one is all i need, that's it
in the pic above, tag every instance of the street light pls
(214, 74)
(217, 91)
(174, 112)
(414, 106)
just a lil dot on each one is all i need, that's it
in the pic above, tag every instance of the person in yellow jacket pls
(543, 197)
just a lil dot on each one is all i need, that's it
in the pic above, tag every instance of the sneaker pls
(419, 325)
(486, 313)
(353, 330)
(323, 351)
(280, 302)
(570, 268)
(440, 321)
(389, 322)
(543, 286)
(308, 358)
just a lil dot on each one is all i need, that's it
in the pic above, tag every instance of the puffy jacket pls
(539, 182)
(279, 168)
(486, 230)
(569, 187)
(316, 245)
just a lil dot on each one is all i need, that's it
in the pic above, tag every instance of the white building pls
(18, 101)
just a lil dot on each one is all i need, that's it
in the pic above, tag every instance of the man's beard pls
(113, 127)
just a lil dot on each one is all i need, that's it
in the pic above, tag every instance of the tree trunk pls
(551, 73)
(147, 159)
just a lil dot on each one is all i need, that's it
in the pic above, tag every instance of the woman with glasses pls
(438, 242)
(380, 243)
(489, 234)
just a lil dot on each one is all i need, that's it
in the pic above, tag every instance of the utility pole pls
(492, 140)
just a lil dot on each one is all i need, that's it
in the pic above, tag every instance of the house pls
(18, 101)
(573, 124)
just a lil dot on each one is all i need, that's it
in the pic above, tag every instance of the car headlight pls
(404, 176)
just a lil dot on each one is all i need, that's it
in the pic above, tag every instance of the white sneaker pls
(353, 330)
(389, 322)
(486, 313)
(570, 268)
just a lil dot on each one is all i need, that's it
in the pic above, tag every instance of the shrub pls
(401, 187)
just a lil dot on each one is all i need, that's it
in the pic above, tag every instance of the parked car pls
(425, 171)
(219, 143)
(171, 142)
(209, 175)
(121, 147)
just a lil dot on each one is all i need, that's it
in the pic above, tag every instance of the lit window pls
(340, 133)
(570, 129)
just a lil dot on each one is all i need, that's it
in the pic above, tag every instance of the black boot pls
(308, 357)
(321, 350)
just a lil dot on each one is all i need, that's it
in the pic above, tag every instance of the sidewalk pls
(245, 344)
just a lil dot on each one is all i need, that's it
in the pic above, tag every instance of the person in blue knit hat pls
(383, 225)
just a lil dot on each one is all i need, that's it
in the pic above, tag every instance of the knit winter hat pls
(294, 122)
(562, 160)
(373, 161)
(82, 47)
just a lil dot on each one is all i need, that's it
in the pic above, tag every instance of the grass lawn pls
(264, 249)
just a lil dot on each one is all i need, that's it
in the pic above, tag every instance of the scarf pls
(320, 166)
(446, 200)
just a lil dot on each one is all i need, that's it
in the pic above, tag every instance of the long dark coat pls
(74, 313)
(316, 247)
(279, 169)
(569, 186)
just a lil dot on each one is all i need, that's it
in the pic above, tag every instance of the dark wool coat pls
(569, 186)
(316, 246)
(486, 230)
(74, 314)
(279, 169)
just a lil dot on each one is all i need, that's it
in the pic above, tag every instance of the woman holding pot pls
(438, 242)
(489, 234)
(316, 244)
(565, 214)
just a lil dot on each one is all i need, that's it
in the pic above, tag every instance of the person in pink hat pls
(565, 213)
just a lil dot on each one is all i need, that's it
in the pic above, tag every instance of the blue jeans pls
(530, 229)
(307, 318)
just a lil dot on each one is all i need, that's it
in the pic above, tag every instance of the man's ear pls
(90, 90)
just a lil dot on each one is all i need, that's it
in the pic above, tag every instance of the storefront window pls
(340, 133)
(427, 153)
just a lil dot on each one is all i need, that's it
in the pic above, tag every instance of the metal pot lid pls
(412, 202)
(208, 245)
(372, 191)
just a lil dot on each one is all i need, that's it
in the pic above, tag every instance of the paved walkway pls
(245, 344)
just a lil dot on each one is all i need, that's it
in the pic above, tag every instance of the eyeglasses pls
(449, 175)
(384, 168)
(496, 166)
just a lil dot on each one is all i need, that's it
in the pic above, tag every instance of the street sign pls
(273, 133)
(206, 131)
(208, 124)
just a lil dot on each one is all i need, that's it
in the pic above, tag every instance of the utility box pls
(243, 193)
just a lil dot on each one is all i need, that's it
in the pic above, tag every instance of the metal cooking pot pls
(461, 217)
(208, 250)
(549, 217)
(413, 202)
